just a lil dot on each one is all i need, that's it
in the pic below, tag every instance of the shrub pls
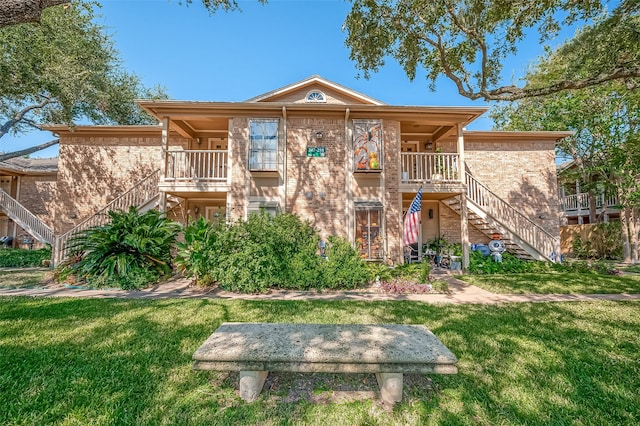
(480, 264)
(196, 254)
(603, 242)
(21, 258)
(343, 268)
(268, 252)
(132, 251)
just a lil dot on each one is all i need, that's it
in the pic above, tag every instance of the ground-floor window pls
(369, 230)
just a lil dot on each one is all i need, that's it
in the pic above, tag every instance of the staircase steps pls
(143, 194)
(490, 214)
(31, 223)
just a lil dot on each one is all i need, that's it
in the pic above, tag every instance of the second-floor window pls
(367, 145)
(263, 144)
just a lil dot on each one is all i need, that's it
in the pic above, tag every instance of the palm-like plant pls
(131, 251)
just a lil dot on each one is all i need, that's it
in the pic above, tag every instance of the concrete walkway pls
(460, 293)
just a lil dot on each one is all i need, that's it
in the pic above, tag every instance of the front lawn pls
(101, 361)
(555, 283)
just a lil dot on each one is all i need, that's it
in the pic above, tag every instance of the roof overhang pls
(516, 136)
(189, 118)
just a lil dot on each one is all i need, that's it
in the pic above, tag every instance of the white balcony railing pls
(580, 201)
(196, 165)
(429, 167)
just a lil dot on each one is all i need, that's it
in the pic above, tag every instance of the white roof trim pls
(316, 79)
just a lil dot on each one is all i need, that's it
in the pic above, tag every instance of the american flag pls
(412, 220)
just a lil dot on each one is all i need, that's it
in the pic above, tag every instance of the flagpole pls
(420, 232)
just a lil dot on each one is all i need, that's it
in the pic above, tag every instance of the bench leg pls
(251, 383)
(390, 387)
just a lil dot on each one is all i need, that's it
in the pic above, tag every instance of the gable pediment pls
(316, 90)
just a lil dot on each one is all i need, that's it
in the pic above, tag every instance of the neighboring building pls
(27, 197)
(578, 206)
(348, 163)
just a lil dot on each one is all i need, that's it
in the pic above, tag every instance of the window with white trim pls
(316, 96)
(263, 144)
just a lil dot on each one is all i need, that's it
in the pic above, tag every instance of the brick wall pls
(238, 147)
(523, 173)
(317, 175)
(38, 195)
(93, 170)
(392, 195)
(450, 227)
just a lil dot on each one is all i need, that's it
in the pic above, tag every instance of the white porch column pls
(162, 202)
(464, 219)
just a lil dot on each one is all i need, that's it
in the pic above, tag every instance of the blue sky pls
(237, 55)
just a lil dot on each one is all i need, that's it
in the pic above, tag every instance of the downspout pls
(283, 186)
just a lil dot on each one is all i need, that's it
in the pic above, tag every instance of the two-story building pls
(348, 163)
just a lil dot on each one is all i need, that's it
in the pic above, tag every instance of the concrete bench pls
(388, 350)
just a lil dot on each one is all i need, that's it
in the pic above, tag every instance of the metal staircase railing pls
(140, 193)
(27, 220)
(511, 219)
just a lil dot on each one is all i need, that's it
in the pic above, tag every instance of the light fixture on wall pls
(73, 216)
(319, 134)
(430, 213)
(308, 195)
(428, 146)
(196, 209)
(322, 195)
(198, 141)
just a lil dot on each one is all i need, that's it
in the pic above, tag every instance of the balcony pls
(195, 171)
(579, 203)
(436, 172)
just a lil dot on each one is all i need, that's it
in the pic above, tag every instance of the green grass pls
(633, 268)
(100, 361)
(555, 283)
(22, 278)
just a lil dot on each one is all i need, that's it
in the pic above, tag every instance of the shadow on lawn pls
(129, 361)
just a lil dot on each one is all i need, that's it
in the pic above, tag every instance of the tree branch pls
(5, 157)
(14, 12)
(513, 93)
(9, 124)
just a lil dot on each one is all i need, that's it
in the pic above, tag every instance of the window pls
(367, 145)
(369, 230)
(315, 96)
(263, 149)
(270, 207)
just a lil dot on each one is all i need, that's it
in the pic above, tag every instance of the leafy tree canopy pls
(63, 70)
(606, 144)
(14, 12)
(467, 41)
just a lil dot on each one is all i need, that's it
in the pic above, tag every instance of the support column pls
(464, 231)
(162, 202)
(390, 387)
(464, 219)
(251, 383)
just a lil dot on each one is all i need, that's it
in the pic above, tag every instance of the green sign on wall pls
(316, 151)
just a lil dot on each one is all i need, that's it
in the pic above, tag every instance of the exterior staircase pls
(25, 219)
(491, 214)
(144, 195)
